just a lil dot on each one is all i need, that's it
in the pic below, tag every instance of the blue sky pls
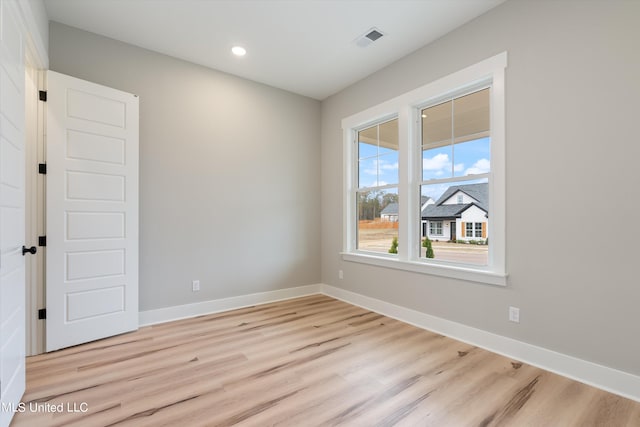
(379, 165)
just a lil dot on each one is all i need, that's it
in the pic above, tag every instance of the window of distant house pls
(425, 178)
(435, 228)
(480, 227)
(475, 230)
(469, 229)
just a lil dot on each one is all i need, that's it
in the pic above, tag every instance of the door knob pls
(32, 250)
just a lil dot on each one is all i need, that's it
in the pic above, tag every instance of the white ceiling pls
(303, 46)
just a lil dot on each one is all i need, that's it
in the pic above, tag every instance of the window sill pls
(454, 272)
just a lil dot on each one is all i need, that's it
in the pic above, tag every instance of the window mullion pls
(405, 199)
(453, 137)
(350, 156)
(497, 182)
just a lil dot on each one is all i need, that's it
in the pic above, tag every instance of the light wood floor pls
(304, 362)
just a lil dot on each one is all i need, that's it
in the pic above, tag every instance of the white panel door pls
(92, 211)
(12, 215)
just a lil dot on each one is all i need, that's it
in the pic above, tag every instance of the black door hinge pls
(42, 241)
(42, 95)
(42, 313)
(42, 168)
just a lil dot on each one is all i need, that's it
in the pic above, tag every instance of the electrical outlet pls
(195, 285)
(514, 314)
(340, 275)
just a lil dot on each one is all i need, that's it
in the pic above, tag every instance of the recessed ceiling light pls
(239, 51)
(424, 116)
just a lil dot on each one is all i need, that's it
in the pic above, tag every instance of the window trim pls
(406, 107)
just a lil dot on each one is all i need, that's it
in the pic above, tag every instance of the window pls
(377, 192)
(469, 231)
(431, 160)
(435, 228)
(478, 229)
(456, 163)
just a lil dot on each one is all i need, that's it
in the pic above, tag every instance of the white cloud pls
(436, 163)
(481, 166)
(369, 168)
(383, 165)
(440, 164)
(434, 191)
(388, 166)
(370, 171)
(376, 183)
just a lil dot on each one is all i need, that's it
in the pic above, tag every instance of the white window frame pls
(434, 224)
(406, 107)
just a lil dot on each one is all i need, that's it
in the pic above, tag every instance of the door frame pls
(36, 61)
(34, 205)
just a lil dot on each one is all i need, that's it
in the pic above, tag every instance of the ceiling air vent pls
(369, 37)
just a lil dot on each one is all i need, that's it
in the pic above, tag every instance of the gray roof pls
(423, 200)
(444, 211)
(479, 192)
(390, 209)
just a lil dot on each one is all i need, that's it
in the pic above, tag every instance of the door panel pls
(12, 214)
(92, 211)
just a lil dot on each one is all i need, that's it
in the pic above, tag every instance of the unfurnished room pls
(319, 213)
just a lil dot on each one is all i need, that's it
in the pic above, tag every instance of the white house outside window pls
(432, 156)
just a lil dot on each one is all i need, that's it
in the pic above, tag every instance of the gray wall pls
(572, 93)
(229, 172)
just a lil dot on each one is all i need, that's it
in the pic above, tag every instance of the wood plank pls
(306, 361)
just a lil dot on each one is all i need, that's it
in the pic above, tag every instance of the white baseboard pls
(161, 315)
(608, 379)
